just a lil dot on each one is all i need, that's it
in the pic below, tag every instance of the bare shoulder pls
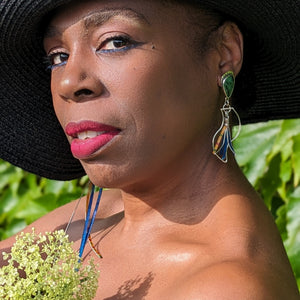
(243, 256)
(235, 280)
(111, 204)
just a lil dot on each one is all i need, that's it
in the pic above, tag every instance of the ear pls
(230, 49)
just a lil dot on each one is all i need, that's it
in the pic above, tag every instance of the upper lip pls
(73, 128)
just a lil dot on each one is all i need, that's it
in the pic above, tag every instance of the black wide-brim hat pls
(30, 135)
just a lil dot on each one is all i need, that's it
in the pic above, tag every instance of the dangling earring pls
(222, 139)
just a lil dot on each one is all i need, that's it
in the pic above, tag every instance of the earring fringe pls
(223, 135)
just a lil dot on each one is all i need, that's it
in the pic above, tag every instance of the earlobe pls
(230, 48)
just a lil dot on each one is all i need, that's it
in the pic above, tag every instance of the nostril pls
(83, 92)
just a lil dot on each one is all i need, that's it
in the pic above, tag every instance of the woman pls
(137, 87)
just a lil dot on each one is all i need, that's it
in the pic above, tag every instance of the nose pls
(79, 80)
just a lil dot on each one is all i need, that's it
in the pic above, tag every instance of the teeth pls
(88, 134)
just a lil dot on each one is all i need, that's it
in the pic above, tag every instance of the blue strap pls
(88, 224)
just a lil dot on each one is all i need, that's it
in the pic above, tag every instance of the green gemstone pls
(228, 83)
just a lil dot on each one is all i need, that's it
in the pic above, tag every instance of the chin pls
(106, 176)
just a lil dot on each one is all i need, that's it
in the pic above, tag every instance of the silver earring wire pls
(73, 213)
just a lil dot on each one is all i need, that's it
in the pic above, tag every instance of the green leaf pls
(286, 170)
(8, 201)
(9, 174)
(281, 221)
(253, 146)
(14, 227)
(296, 159)
(271, 181)
(292, 243)
(55, 187)
(66, 198)
(47, 201)
(289, 129)
(30, 211)
(285, 176)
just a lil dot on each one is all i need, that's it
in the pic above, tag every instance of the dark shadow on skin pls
(195, 214)
(137, 288)
(100, 226)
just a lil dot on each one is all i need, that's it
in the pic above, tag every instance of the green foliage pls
(51, 268)
(25, 197)
(269, 154)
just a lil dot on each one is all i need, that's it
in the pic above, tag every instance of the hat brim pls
(30, 134)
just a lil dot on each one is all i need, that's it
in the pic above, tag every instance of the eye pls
(57, 59)
(117, 44)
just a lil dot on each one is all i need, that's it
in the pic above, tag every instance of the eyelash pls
(49, 60)
(127, 44)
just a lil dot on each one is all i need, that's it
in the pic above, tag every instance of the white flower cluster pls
(46, 267)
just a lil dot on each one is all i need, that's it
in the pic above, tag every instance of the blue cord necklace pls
(89, 222)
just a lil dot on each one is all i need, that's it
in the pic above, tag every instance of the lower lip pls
(84, 148)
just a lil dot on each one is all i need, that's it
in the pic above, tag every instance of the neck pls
(184, 194)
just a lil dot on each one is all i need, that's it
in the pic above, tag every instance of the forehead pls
(171, 21)
(95, 13)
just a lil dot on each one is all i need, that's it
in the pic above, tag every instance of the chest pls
(144, 274)
(123, 282)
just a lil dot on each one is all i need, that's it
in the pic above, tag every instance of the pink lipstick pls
(89, 137)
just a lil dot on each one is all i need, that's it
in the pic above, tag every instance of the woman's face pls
(131, 94)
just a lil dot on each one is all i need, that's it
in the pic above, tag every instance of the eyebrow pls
(100, 17)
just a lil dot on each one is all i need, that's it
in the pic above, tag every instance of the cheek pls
(163, 93)
(167, 103)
